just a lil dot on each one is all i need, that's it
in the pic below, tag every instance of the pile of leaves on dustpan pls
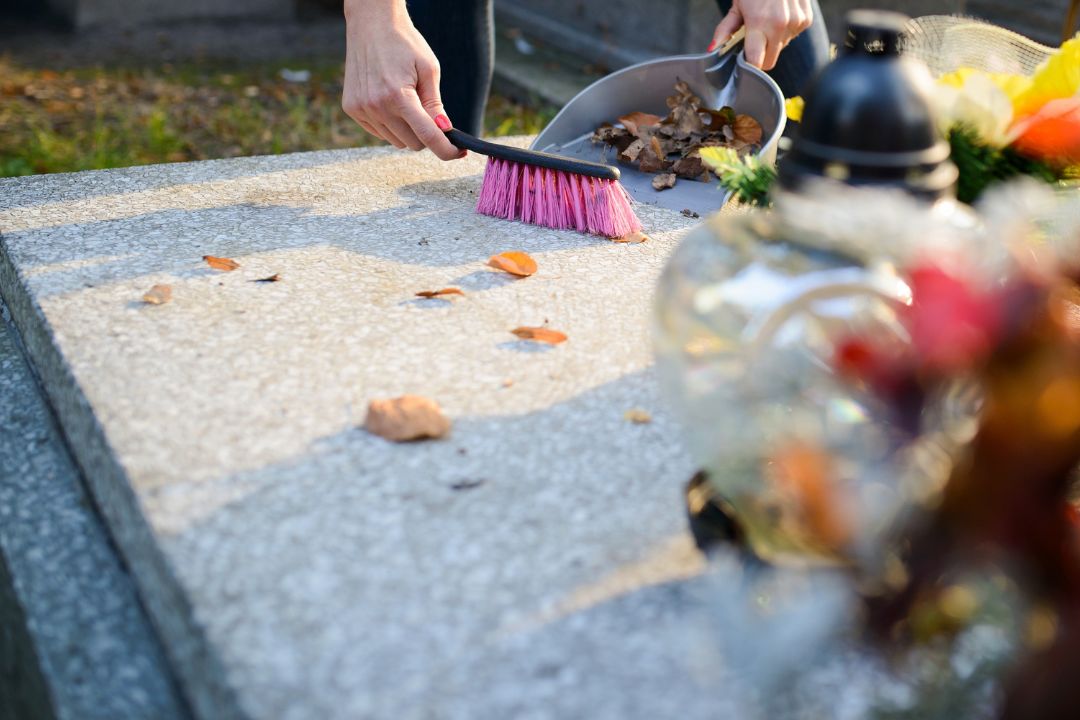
(669, 147)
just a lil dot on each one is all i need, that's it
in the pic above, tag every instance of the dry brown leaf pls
(650, 162)
(719, 118)
(405, 418)
(514, 262)
(439, 293)
(219, 263)
(632, 238)
(657, 148)
(276, 277)
(683, 96)
(691, 167)
(747, 129)
(670, 144)
(637, 416)
(636, 120)
(631, 152)
(158, 295)
(540, 334)
(664, 181)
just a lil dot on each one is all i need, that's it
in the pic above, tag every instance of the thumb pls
(727, 27)
(427, 89)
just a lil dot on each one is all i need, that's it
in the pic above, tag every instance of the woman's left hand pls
(770, 26)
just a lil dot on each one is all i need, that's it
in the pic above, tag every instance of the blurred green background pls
(106, 116)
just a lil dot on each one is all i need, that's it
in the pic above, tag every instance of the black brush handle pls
(465, 141)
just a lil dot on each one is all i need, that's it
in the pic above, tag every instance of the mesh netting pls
(946, 43)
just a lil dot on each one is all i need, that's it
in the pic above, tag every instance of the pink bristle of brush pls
(556, 199)
(551, 191)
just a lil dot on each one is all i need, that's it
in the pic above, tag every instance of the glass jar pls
(756, 317)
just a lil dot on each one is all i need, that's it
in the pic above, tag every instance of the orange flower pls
(1052, 133)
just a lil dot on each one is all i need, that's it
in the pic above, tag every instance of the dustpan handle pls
(466, 141)
(737, 37)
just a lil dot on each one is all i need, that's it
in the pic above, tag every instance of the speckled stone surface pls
(74, 642)
(533, 564)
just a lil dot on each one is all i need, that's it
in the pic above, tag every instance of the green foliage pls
(747, 178)
(981, 165)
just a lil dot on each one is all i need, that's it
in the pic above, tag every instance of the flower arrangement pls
(998, 125)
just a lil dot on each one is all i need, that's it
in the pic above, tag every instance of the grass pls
(101, 117)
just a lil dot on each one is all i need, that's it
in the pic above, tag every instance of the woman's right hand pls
(392, 78)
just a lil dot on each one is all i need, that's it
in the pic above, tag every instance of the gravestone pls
(533, 564)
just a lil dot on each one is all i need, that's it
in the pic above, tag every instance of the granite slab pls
(533, 564)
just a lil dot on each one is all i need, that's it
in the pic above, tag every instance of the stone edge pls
(200, 670)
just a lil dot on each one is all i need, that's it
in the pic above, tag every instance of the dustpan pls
(719, 78)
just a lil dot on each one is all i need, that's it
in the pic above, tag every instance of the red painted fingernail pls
(712, 46)
(443, 122)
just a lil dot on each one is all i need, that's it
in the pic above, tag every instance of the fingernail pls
(443, 122)
(712, 46)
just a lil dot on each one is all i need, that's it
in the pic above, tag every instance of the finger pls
(404, 133)
(384, 132)
(427, 117)
(727, 27)
(754, 47)
(367, 127)
(772, 54)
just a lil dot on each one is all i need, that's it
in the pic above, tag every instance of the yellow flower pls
(1058, 77)
(957, 78)
(1012, 85)
(974, 99)
(794, 107)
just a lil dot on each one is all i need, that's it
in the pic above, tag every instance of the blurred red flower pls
(1051, 134)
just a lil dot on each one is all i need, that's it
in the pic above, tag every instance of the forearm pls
(375, 10)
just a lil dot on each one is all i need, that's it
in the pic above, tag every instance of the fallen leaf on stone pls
(158, 295)
(664, 181)
(747, 129)
(219, 263)
(637, 416)
(632, 238)
(636, 120)
(540, 334)
(513, 262)
(273, 278)
(466, 484)
(439, 293)
(405, 418)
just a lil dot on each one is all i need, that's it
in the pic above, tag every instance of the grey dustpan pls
(719, 78)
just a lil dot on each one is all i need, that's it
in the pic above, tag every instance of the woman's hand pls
(392, 78)
(770, 26)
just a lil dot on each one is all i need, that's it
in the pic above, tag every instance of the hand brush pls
(552, 191)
